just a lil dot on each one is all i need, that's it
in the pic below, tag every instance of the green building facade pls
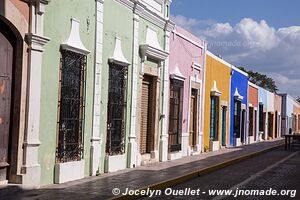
(67, 91)
(134, 76)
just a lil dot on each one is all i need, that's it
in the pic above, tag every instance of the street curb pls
(180, 179)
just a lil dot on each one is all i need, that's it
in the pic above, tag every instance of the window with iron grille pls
(237, 118)
(214, 118)
(71, 107)
(250, 121)
(261, 117)
(115, 143)
(175, 115)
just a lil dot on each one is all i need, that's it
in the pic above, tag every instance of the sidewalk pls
(155, 175)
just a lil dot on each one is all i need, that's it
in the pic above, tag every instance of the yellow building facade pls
(217, 103)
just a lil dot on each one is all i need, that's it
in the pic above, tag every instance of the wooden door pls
(270, 125)
(6, 58)
(144, 136)
(193, 119)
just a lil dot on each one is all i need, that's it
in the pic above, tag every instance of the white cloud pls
(191, 24)
(218, 29)
(254, 45)
(259, 33)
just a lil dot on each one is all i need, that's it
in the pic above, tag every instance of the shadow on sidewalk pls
(101, 187)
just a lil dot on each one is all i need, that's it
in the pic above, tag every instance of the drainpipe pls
(203, 95)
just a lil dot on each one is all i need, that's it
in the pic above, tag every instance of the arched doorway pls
(6, 61)
(11, 45)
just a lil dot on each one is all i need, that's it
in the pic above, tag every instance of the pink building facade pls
(187, 69)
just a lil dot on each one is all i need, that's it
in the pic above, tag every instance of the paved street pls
(277, 169)
(101, 187)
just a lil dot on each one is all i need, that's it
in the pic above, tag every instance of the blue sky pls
(260, 35)
(277, 13)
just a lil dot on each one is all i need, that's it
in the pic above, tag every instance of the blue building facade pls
(239, 105)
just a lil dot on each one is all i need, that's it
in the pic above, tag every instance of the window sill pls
(69, 171)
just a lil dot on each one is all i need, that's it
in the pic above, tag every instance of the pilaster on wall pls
(201, 137)
(96, 139)
(132, 147)
(165, 108)
(35, 39)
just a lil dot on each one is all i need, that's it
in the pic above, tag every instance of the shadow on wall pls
(101, 187)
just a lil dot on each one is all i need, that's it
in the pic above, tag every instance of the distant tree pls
(298, 99)
(261, 80)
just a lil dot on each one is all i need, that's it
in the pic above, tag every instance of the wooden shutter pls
(144, 115)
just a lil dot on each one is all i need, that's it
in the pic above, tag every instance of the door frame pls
(195, 117)
(154, 73)
(243, 125)
(224, 125)
(150, 115)
(17, 117)
(196, 83)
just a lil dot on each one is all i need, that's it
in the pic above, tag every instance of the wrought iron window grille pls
(71, 107)
(115, 143)
(175, 115)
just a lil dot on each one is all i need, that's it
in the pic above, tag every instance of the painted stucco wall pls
(117, 22)
(270, 101)
(277, 103)
(219, 72)
(253, 101)
(240, 81)
(296, 108)
(287, 112)
(182, 54)
(271, 110)
(289, 106)
(144, 24)
(57, 27)
(262, 97)
(253, 96)
(22, 7)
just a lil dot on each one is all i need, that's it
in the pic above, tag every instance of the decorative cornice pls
(36, 42)
(144, 12)
(154, 18)
(74, 43)
(138, 8)
(36, 39)
(118, 56)
(32, 143)
(177, 74)
(151, 52)
(169, 26)
(127, 3)
(37, 1)
(214, 91)
(197, 66)
(237, 95)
